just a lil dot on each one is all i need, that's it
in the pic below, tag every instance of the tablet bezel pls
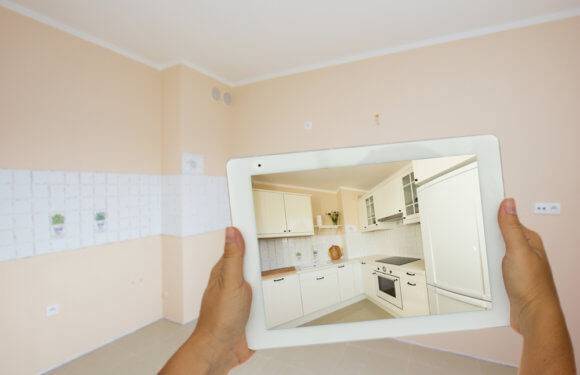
(240, 172)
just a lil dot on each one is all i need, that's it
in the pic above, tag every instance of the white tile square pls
(21, 177)
(123, 190)
(6, 207)
(112, 190)
(57, 178)
(57, 245)
(87, 204)
(87, 178)
(73, 229)
(6, 238)
(72, 216)
(6, 222)
(72, 191)
(40, 205)
(40, 191)
(24, 250)
(100, 178)
(100, 191)
(41, 177)
(72, 204)
(42, 247)
(57, 204)
(57, 192)
(5, 177)
(72, 178)
(134, 179)
(22, 192)
(87, 191)
(112, 179)
(113, 236)
(124, 235)
(87, 240)
(22, 206)
(7, 252)
(100, 203)
(6, 192)
(23, 221)
(123, 179)
(23, 235)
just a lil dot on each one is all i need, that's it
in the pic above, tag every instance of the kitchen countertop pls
(415, 267)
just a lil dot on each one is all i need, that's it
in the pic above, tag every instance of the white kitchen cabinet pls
(282, 299)
(298, 213)
(319, 289)
(414, 293)
(362, 215)
(358, 278)
(281, 214)
(452, 233)
(444, 302)
(425, 169)
(346, 281)
(388, 198)
(369, 280)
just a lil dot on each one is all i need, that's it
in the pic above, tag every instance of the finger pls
(233, 258)
(534, 240)
(511, 229)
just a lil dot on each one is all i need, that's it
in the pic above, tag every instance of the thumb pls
(511, 228)
(233, 258)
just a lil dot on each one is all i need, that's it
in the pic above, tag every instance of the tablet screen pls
(368, 242)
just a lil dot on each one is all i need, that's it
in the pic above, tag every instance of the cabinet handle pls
(341, 266)
(410, 274)
(280, 279)
(284, 230)
(362, 263)
(320, 278)
(289, 230)
(412, 284)
(416, 180)
(400, 210)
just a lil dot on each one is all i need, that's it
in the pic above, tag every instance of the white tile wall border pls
(133, 206)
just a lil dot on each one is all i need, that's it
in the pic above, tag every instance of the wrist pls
(214, 357)
(538, 313)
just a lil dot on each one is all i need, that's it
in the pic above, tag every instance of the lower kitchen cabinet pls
(319, 289)
(358, 278)
(282, 299)
(369, 278)
(346, 283)
(414, 293)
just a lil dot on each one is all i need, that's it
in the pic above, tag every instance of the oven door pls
(389, 289)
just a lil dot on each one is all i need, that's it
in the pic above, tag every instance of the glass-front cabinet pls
(367, 216)
(410, 196)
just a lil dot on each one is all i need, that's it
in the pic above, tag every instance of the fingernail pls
(510, 206)
(230, 235)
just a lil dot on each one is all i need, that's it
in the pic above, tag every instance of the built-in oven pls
(389, 288)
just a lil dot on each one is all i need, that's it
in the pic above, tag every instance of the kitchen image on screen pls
(375, 241)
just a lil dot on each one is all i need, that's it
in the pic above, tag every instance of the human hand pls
(526, 271)
(218, 342)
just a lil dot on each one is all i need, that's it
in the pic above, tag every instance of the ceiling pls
(360, 177)
(242, 41)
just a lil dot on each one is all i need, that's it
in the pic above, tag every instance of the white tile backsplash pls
(135, 205)
(281, 252)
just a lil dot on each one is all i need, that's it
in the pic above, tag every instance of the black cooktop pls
(397, 261)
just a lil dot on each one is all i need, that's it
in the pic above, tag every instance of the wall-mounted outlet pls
(548, 208)
(308, 125)
(52, 309)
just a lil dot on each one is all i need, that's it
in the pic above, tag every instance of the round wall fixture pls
(227, 98)
(216, 93)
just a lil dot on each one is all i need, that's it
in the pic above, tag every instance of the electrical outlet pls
(308, 125)
(547, 208)
(52, 309)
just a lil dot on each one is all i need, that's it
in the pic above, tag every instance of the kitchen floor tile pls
(360, 311)
(144, 352)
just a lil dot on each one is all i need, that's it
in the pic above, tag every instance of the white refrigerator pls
(454, 243)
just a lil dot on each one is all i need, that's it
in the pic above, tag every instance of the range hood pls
(391, 218)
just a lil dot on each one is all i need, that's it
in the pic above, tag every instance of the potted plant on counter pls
(57, 225)
(101, 221)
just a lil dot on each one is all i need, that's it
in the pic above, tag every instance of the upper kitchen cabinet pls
(388, 199)
(410, 199)
(281, 214)
(426, 169)
(367, 216)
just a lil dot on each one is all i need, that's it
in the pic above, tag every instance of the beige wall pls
(521, 85)
(348, 202)
(66, 104)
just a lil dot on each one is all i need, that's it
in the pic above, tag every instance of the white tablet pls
(370, 242)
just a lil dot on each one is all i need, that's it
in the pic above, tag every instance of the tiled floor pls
(146, 351)
(357, 312)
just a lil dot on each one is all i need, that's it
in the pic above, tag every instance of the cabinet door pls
(346, 283)
(414, 293)
(358, 278)
(428, 168)
(362, 215)
(381, 201)
(269, 212)
(444, 302)
(452, 233)
(282, 300)
(319, 290)
(369, 280)
(298, 213)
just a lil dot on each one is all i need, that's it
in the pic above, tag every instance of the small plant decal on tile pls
(57, 222)
(101, 221)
